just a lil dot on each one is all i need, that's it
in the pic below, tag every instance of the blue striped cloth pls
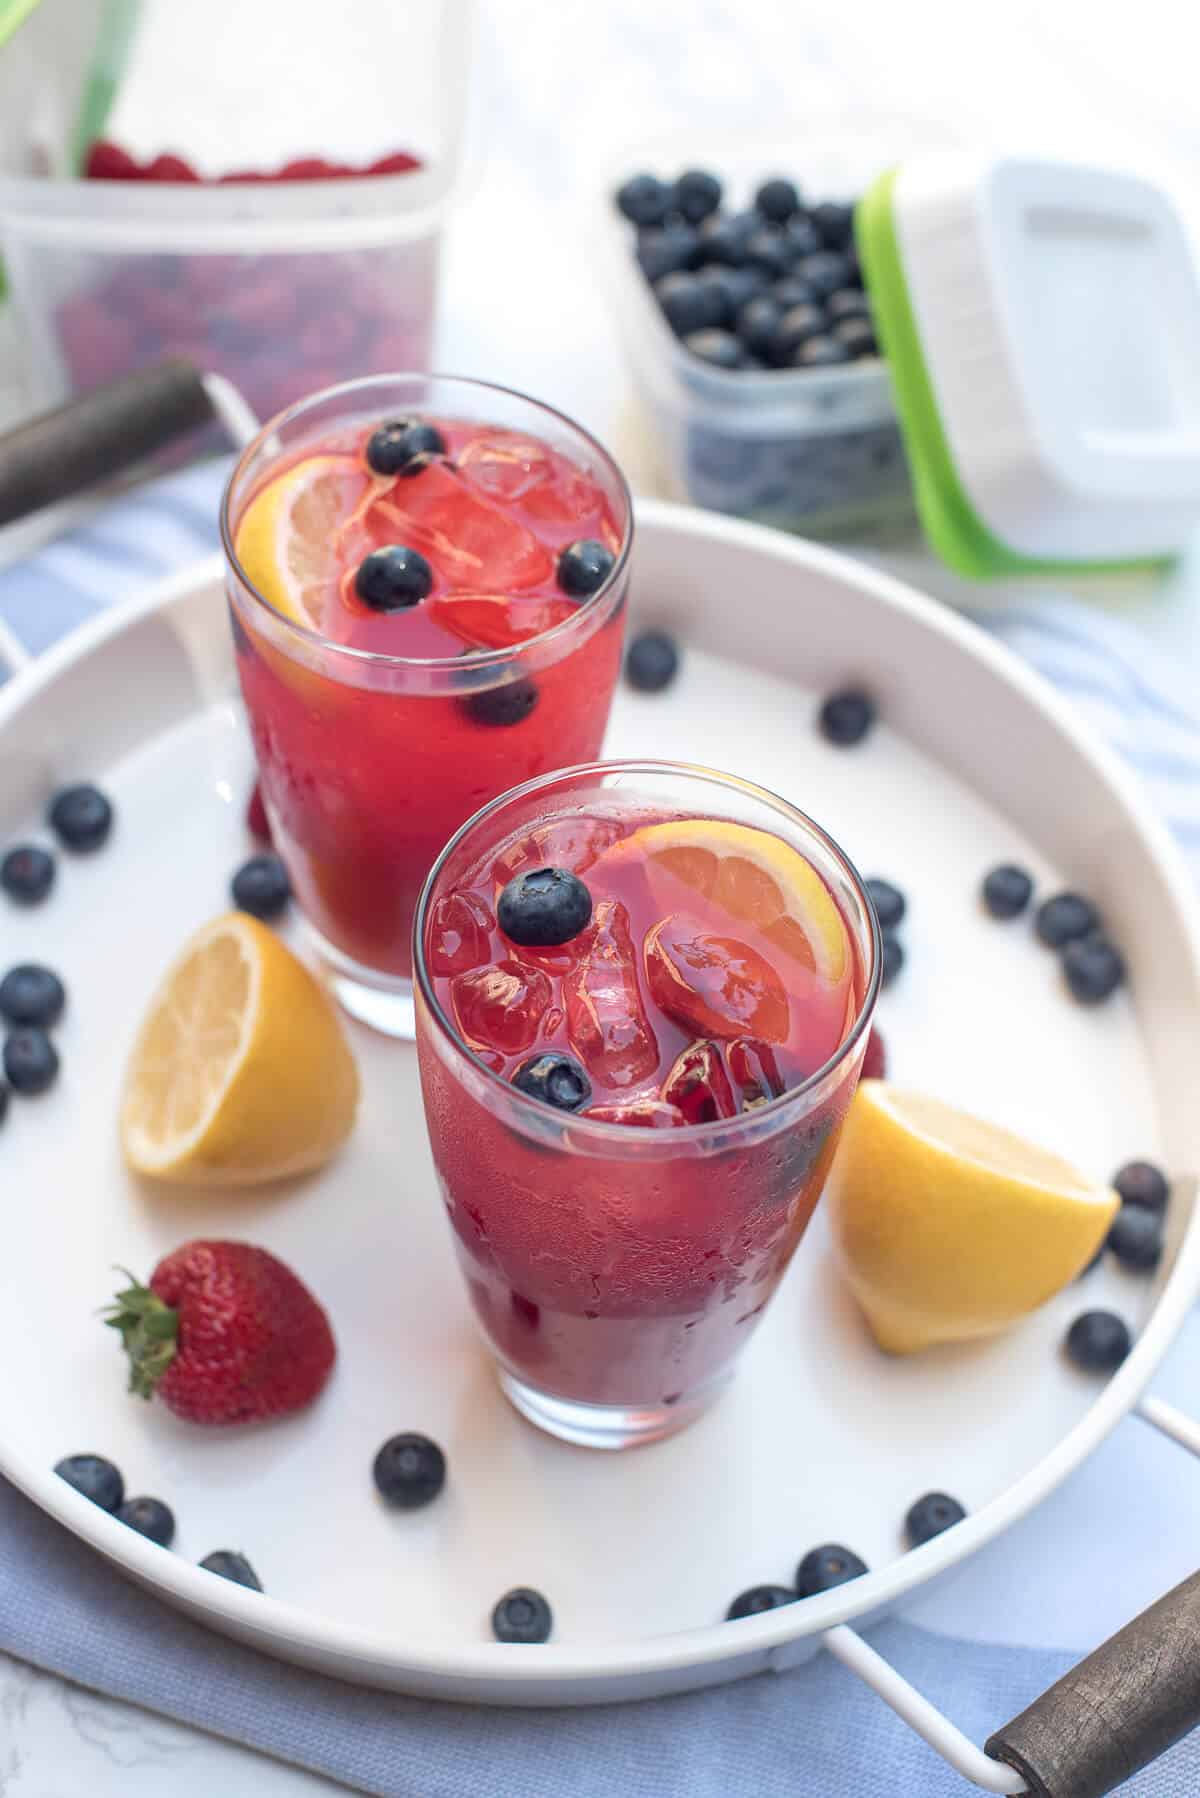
(815, 1733)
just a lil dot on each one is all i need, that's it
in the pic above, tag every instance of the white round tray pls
(821, 1437)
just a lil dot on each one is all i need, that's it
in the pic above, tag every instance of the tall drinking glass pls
(620, 1253)
(374, 747)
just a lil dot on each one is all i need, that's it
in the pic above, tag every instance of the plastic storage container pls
(816, 450)
(283, 288)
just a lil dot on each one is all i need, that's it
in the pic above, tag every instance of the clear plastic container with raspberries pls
(742, 308)
(285, 252)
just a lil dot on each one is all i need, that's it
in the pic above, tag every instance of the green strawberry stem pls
(148, 1331)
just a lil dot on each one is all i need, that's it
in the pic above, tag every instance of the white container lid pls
(1042, 323)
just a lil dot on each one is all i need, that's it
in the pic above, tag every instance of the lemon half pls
(948, 1227)
(240, 1072)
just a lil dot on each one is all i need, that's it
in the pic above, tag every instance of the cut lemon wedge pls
(948, 1227)
(288, 539)
(240, 1072)
(749, 874)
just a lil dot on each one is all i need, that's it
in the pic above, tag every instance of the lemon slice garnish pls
(287, 540)
(750, 875)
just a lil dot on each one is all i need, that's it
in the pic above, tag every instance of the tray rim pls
(489, 1670)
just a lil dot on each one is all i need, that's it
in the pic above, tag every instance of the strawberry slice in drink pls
(699, 1086)
(713, 984)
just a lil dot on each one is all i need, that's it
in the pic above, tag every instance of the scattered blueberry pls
(522, 1616)
(30, 1060)
(724, 236)
(758, 1599)
(150, 1517)
(30, 994)
(889, 902)
(644, 199)
(796, 326)
(81, 817)
(393, 578)
(1063, 918)
(834, 221)
(556, 1079)
(1098, 1341)
(667, 251)
(652, 661)
(261, 886)
(856, 336)
(846, 717)
(409, 1471)
(757, 323)
(510, 703)
(1094, 968)
(689, 304)
(232, 1566)
(403, 446)
(824, 271)
(777, 199)
(1007, 891)
(892, 959)
(720, 349)
(767, 250)
(790, 290)
(697, 193)
(544, 907)
(848, 302)
(801, 238)
(95, 1477)
(584, 567)
(1141, 1183)
(929, 1516)
(824, 1568)
(820, 352)
(1136, 1238)
(27, 873)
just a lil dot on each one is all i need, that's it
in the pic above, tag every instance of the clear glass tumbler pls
(617, 1272)
(368, 761)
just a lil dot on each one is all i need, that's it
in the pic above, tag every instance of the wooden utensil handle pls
(1117, 1710)
(98, 435)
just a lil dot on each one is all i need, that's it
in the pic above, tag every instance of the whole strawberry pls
(224, 1333)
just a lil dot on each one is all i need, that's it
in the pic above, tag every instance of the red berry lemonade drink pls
(426, 579)
(644, 993)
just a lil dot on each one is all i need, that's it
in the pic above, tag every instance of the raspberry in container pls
(265, 230)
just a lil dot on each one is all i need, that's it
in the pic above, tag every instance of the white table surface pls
(556, 90)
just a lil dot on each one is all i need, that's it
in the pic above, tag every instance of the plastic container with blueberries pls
(281, 284)
(811, 448)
